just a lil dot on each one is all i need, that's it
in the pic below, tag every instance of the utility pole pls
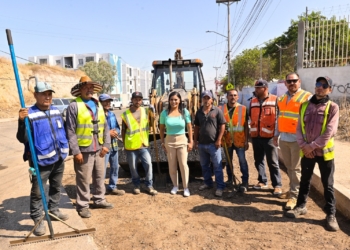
(228, 3)
(280, 48)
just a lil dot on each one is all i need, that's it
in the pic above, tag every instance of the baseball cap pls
(136, 94)
(42, 87)
(104, 97)
(328, 80)
(260, 83)
(207, 93)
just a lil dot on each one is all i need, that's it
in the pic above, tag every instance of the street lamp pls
(280, 49)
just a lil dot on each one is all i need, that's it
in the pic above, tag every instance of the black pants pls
(327, 178)
(52, 173)
(264, 147)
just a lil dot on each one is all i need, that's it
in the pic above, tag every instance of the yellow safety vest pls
(136, 134)
(85, 127)
(328, 150)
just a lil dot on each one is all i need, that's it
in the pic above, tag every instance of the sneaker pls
(203, 187)
(291, 203)
(59, 215)
(137, 190)
(261, 185)
(296, 212)
(103, 204)
(40, 229)
(116, 191)
(174, 190)
(218, 192)
(277, 191)
(151, 191)
(186, 192)
(243, 187)
(84, 213)
(331, 223)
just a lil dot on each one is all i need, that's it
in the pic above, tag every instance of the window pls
(130, 82)
(58, 62)
(42, 61)
(130, 91)
(89, 59)
(81, 61)
(130, 72)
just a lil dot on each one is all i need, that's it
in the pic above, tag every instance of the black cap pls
(328, 80)
(260, 83)
(136, 94)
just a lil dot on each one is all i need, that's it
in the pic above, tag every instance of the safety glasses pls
(292, 81)
(323, 85)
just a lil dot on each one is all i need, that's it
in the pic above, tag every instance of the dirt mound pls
(61, 80)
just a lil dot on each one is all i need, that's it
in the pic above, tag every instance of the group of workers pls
(301, 124)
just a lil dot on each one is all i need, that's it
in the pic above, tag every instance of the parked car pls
(145, 102)
(59, 103)
(116, 103)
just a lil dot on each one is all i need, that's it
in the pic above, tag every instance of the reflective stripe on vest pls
(236, 125)
(263, 117)
(289, 112)
(328, 150)
(85, 127)
(136, 134)
(49, 135)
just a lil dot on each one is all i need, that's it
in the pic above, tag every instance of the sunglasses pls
(292, 81)
(323, 85)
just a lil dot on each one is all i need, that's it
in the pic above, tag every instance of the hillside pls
(61, 80)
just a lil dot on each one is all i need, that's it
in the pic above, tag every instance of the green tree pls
(101, 72)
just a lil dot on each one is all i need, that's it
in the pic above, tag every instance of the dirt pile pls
(61, 80)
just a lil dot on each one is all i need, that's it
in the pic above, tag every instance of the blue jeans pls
(242, 163)
(52, 173)
(262, 147)
(145, 157)
(112, 158)
(209, 153)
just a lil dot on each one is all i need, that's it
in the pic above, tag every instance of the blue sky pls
(141, 31)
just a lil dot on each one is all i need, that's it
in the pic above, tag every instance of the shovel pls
(159, 178)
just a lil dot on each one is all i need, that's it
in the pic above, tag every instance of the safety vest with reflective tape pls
(136, 134)
(49, 135)
(289, 112)
(263, 117)
(236, 131)
(328, 150)
(85, 124)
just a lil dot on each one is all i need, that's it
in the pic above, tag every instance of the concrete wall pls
(339, 75)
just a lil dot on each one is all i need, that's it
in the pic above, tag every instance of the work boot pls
(243, 187)
(291, 203)
(40, 229)
(331, 223)
(84, 213)
(151, 191)
(116, 191)
(218, 192)
(277, 191)
(296, 212)
(137, 190)
(103, 204)
(203, 187)
(58, 214)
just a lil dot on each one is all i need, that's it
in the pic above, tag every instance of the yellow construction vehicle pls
(184, 76)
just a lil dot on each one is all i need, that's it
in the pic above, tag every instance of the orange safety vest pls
(263, 117)
(289, 112)
(236, 133)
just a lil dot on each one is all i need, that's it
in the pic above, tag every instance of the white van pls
(116, 103)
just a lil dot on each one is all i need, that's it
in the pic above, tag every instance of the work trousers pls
(52, 173)
(262, 147)
(176, 146)
(327, 178)
(112, 158)
(291, 158)
(242, 164)
(92, 167)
